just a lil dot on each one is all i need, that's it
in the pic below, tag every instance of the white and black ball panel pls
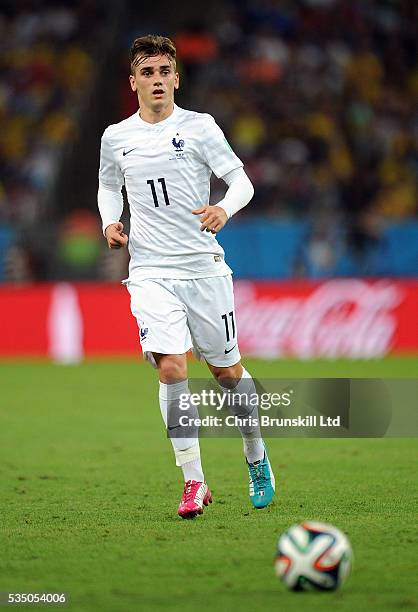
(313, 555)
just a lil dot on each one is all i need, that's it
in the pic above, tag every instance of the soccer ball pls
(313, 556)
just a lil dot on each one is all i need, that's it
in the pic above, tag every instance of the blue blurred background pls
(318, 98)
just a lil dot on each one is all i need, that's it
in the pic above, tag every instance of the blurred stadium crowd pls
(318, 97)
(46, 66)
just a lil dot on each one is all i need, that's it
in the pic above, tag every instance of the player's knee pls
(228, 377)
(172, 368)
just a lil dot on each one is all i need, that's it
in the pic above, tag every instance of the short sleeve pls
(110, 174)
(217, 151)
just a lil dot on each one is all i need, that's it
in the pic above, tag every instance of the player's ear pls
(132, 82)
(176, 81)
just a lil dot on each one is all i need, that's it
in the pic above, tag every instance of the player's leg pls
(173, 394)
(237, 382)
(165, 339)
(174, 403)
(211, 319)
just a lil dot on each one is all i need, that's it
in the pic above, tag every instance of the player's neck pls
(155, 116)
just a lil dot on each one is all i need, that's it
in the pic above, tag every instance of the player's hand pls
(115, 237)
(213, 218)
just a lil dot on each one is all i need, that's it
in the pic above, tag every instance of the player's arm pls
(109, 197)
(221, 159)
(239, 193)
(111, 208)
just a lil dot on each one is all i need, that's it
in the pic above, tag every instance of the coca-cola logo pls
(351, 318)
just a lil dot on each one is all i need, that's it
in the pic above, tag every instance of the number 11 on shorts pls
(225, 319)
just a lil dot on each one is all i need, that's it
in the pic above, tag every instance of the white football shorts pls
(175, 316)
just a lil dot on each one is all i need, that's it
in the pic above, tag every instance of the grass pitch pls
(89, 493)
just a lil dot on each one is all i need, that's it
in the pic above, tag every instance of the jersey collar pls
(159, 124)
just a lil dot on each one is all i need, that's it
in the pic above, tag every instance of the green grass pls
(89, 493)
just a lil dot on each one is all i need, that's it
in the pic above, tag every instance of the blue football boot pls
(262, 483)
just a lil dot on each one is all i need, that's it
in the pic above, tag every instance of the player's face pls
(155, 80)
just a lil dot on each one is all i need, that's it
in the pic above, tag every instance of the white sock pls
(252, 441)
(193, 470)
(187, 449)
(253, 449)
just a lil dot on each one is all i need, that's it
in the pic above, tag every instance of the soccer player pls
(180, 286)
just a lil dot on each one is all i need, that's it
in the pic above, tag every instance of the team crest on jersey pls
(143, 333)
(178, 144)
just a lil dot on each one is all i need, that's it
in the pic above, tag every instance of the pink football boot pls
(195, 496)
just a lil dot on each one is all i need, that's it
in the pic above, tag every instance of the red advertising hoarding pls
(337, 318)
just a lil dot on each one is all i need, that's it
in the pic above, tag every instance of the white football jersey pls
(166, 168)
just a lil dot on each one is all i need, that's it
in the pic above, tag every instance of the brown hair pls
(150, 46)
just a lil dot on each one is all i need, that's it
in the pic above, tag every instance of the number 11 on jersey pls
(151, 183)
